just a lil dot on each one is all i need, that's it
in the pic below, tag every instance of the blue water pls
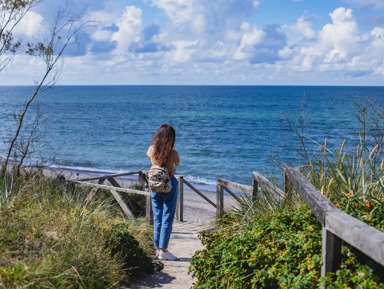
(222, 131)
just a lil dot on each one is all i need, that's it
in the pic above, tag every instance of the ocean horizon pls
(221, 131)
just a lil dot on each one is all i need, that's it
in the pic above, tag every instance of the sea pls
(221, 131)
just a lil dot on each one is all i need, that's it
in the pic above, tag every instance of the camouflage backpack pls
(159, 180)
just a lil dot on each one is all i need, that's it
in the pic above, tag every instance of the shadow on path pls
(183, 244)
(156, 280)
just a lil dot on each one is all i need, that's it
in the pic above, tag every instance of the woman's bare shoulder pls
(150, 151)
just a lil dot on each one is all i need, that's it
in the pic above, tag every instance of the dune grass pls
(49, 238)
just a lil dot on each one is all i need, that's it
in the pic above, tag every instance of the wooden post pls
(255, 188)
(180, 199)
(148, 203)
(148, 210)
(142, 180)
(287, 184)
(219, 201)
(331, 252)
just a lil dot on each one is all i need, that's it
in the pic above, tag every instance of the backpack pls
(159, 180)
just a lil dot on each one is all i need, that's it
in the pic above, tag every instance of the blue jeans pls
(164, 208)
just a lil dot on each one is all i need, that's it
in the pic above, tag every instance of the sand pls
(183, 244)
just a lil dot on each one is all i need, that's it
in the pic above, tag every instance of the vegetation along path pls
(184, 242)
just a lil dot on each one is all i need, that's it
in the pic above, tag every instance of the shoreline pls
(97, 172)
(196, 209)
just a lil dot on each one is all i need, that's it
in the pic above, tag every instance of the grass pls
(49, 238)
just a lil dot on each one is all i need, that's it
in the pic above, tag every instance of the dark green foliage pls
(283, 250)
(128, 249)
(278, 250)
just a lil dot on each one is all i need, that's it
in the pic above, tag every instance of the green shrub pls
(272, 251)
(279, 250)
(127, 248)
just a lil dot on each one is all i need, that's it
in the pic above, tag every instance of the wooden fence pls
(257, 181)
(115, 188)
(337, 225)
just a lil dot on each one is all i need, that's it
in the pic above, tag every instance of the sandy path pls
(184, 242)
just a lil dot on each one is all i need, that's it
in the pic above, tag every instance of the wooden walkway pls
(184, 242)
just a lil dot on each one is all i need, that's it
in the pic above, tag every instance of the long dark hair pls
(163, 143)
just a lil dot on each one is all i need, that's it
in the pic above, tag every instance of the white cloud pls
(177, 10)
(129, 28)
(184, 50)
(215, 41)
(340, 47)
(102, 35)
(338, 42)
(302, 28)
(251, 38)
(342, 38)
(30, 25)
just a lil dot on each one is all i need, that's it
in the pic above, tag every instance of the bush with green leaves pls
(123, 245)
(281, 249)
(271, 251)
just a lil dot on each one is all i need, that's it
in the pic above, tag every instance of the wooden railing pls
(337, 225)
(115, 188)
(257, 180)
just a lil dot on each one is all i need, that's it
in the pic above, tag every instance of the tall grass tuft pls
(49, 238)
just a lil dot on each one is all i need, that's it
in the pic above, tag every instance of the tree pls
(63, 32)
(11, 13)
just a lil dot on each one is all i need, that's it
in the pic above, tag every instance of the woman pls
(163, 153)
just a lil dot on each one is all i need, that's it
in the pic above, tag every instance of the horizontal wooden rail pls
(110, 176)
(117, 189)
(337, 225)
(360, 235)
(315, 200)
(235, 186)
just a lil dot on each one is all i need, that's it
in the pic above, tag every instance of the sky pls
(215, 42)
